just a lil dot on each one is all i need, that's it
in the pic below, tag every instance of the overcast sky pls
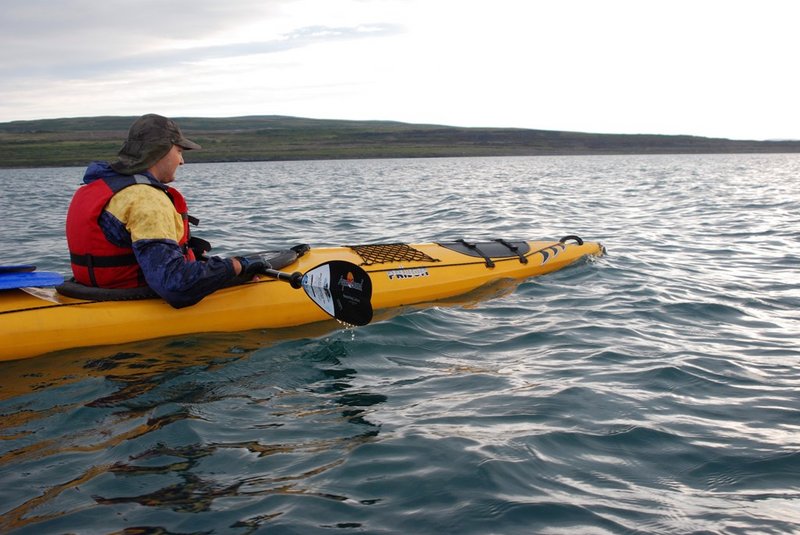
(719, 68)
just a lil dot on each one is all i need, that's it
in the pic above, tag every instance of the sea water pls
(654, 390)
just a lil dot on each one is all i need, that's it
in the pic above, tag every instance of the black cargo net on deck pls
(389, 252)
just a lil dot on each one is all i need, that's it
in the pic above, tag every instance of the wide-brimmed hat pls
(150, 138)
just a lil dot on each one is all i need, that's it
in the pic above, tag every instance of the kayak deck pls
(401, 275)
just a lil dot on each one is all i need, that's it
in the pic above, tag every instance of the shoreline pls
(74, 142)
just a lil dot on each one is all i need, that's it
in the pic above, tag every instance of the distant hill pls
(76, 141)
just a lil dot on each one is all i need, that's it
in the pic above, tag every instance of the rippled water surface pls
(656, 390)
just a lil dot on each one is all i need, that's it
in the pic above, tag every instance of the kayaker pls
(126, 228)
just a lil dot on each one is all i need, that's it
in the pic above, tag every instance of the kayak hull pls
(32, 325)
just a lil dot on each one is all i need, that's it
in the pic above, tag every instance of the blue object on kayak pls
(11, 280)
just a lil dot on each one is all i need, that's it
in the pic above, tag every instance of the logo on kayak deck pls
(410, 273)
(553, 250)
(349, 281)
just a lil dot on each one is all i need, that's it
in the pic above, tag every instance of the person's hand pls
(253, 264)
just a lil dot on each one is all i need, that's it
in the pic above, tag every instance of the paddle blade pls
(10, 281)
(341, 289)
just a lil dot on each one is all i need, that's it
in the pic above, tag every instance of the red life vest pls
(95, 260)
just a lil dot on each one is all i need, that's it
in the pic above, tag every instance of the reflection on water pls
(148, 417)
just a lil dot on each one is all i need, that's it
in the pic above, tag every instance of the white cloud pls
(717, 68)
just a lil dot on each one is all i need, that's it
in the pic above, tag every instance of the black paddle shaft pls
(295, 279)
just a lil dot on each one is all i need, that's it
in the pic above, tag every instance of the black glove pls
(253, 264)
(200, 247)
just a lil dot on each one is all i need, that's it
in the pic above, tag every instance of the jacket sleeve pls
(178, 281)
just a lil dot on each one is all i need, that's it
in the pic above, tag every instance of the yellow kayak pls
(34, 321)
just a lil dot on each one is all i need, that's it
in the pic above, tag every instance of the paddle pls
(21, 279)
(342, 289)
